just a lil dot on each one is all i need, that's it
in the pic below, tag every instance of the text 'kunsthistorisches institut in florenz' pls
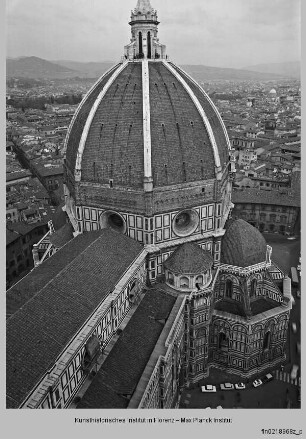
(158, 283)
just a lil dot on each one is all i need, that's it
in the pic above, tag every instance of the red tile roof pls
(61, 236)
(49, 305)
(78, 126)
(24, 228)
(189, 258)
(273, 197)
(118, 377)
(243, 245)
(11, 236)
(180, 144)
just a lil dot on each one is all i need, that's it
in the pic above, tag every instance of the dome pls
(129, 128)
(189, 258)
(272, 91)
(146, 140)
(242, 245)
(145, 124)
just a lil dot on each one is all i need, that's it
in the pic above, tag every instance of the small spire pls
(144, 6)
(144, 28)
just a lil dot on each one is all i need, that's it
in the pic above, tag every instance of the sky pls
(220, 33)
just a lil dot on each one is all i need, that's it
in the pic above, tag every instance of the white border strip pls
(211, 103)
(77, 172)
(200, 110)
(83, 101)
(146, 120)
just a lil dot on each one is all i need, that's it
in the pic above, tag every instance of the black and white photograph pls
(153, 215)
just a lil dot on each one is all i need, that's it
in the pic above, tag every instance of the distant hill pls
(87, 69)
(291, 69)
(34, 67)
(206, 73)
(199, 72)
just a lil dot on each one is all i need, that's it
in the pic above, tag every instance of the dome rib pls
(223, 142)
(90, 119)
(209, 100)
(114, 144)
(200, 110)
(147, 153)
(145, 131)
(79, 118)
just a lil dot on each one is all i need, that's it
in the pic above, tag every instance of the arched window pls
(229, 288)
(140, 45)
(223, 341)
(184, 282)
(267, 340)
(149, 44)
(253, 287)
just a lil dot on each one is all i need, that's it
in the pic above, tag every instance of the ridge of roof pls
(50, 316)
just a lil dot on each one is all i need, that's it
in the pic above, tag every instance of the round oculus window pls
(113, 220)
(185, 222)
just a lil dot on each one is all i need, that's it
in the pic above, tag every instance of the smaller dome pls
(189, 258)
(242, 245)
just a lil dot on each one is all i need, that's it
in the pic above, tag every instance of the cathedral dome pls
(146, 120)
(243, 245)
(146, 123)
(189, 258)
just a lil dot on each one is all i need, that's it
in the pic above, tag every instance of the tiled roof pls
(11, 236)
(230, 306)
(258, 306)
(31, 284)
(261, 305)
(41, 194)
(59, 218)
(274, 197)
(212, 117)
(78, 125)
(189, 258)
(24, 228)
(11, 176)
(177, 129)
(291, 148)
(122, 369)
(262, 143)
(114, 145)
(50, 304)
(61, 236)
(180, 144)
(243, 245)
(49, 171)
